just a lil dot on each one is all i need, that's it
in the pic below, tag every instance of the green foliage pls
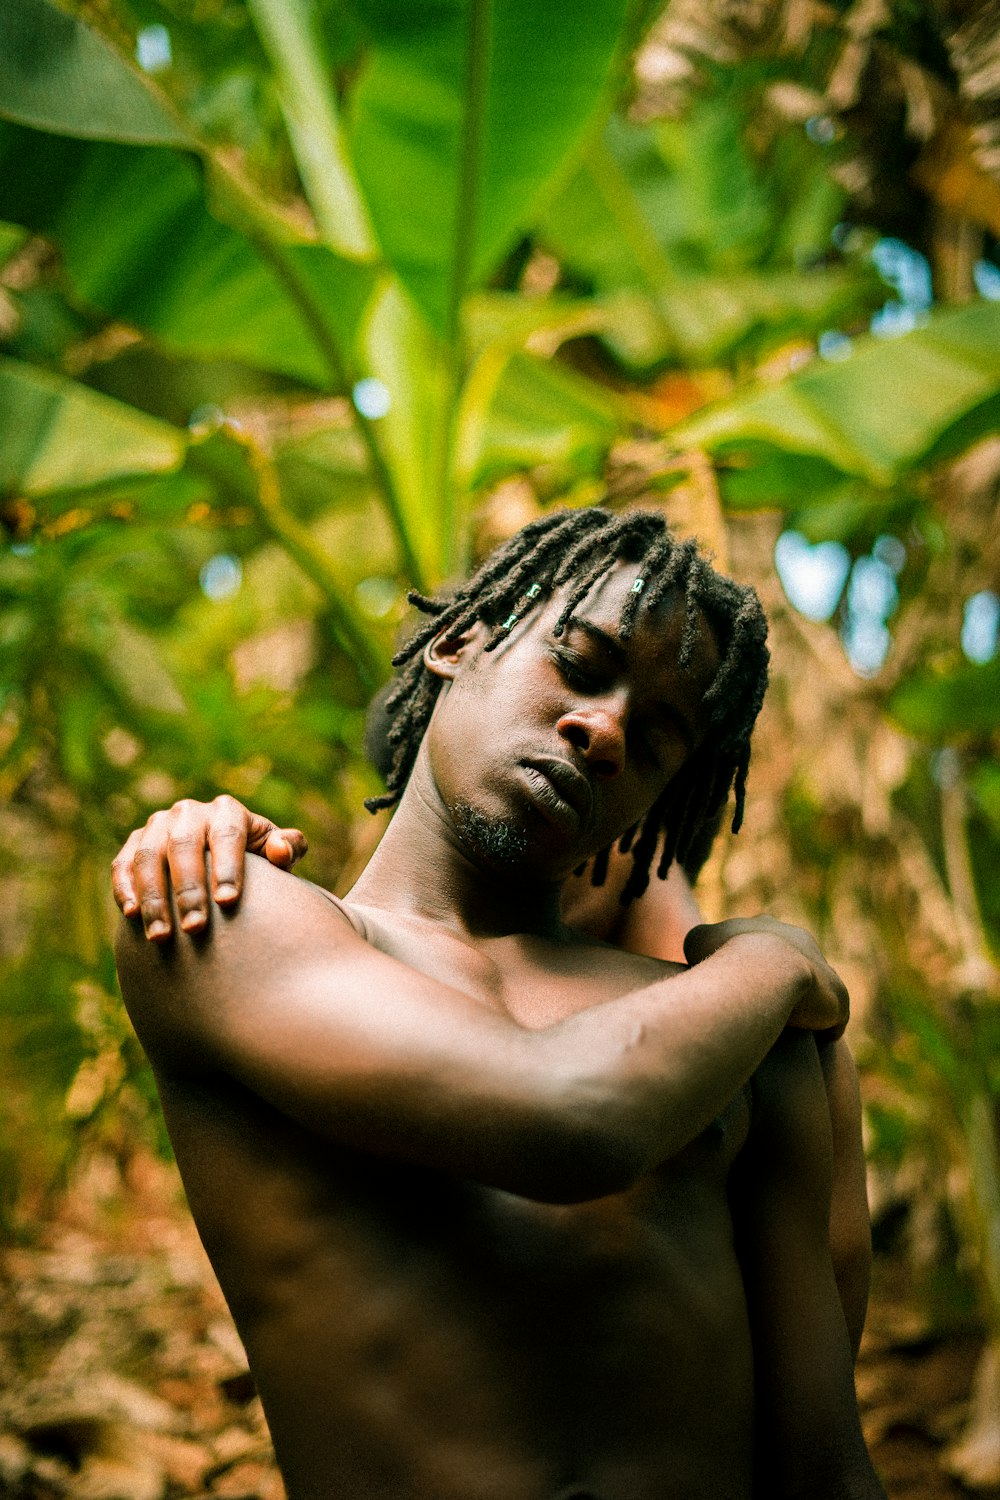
(694, 245)
(57, 74)
(946, 705)
(459, 124)
(887, 408)
(59, 436)
(139, 244)
(300, 301)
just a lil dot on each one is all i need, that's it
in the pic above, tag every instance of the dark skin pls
(499, 1210)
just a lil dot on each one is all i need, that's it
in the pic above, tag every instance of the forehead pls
(657, 633)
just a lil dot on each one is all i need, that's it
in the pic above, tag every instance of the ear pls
(447, 653)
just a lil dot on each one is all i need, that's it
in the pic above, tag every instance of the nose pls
(597, 731)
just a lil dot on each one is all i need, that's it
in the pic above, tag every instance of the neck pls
(423, 868)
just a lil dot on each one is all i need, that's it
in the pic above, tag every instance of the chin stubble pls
(498, 841)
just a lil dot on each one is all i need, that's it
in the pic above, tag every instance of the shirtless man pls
(503, 1213)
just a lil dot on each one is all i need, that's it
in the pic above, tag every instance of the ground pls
(121, 1376)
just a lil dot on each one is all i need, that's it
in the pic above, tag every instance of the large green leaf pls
(672, 226)
(531, 412)
(876, 414)
(58, 435)
(59, 75)
(966, 701)
(464, 114)
(139, 244)
(704, 318)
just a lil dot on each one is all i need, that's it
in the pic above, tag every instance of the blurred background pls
(307, 302)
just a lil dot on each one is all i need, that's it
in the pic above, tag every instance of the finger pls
(285, 846)
(259, 831)
(149, 873)
(230, 831)
(121, 876)
(186, 842)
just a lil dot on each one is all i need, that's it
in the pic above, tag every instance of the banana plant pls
(455, 132)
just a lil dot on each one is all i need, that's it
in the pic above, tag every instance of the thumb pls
(284, 846)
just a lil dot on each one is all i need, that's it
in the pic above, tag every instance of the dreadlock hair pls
(576, 548)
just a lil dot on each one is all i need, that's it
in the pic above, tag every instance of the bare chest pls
(537, 981)
(422, 1338)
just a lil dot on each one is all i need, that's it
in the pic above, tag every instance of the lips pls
(558, 783)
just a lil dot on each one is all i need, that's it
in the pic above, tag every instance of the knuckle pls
(147, 856)
(180, 841)
(189, 894)
(228, 831)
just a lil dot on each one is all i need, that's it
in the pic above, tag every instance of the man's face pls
(548, 748)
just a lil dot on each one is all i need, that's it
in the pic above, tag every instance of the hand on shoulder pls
(165, 869)
(824, 1006)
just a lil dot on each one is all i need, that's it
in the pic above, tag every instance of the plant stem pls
(370, 661)
(259, 226)
(978, 968)
(290, 36)
(344, 380)
(477, 59)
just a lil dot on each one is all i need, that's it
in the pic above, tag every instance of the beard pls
(498, 842)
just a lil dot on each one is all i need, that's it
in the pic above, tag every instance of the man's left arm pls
(656, 925)
(809, 1439)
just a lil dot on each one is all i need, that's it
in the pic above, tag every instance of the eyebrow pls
(610, 643)
(615, 649)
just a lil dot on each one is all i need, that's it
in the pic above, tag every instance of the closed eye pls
(575, 671)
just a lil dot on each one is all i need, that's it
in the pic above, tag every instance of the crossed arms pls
(283, 995)
(161, 872)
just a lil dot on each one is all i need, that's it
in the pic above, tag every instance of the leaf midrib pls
(477, 68)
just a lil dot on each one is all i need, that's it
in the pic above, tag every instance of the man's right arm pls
(285, 997)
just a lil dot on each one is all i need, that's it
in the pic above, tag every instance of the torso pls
(414, 1337)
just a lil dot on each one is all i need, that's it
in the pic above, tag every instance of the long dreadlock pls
(577, 548)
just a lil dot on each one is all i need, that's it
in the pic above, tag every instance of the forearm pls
(651, 1070)
(360, 1048)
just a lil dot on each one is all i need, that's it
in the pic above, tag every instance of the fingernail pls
(157, 929)
(192, 919)
(225, 892)
(130, 908)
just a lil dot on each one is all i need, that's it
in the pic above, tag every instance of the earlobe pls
(447, 653)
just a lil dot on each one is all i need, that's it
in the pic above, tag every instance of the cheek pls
(640, 792)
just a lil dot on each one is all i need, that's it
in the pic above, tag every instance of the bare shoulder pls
(170, 988)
